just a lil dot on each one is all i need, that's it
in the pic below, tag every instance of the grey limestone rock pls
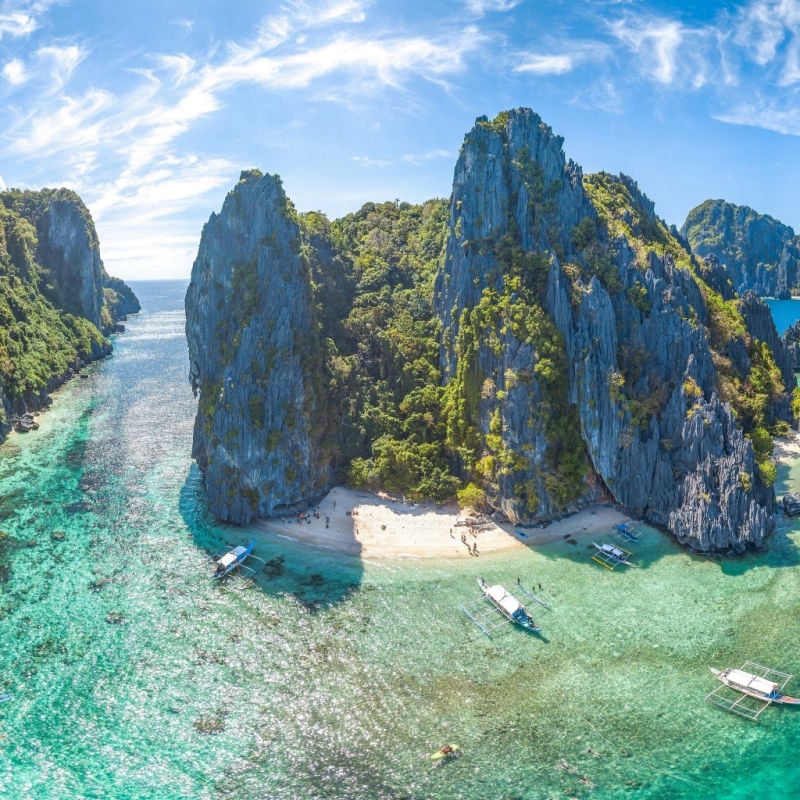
(791, 341)
(69, 250)
(791, 504)
(253, 342)
(641, 374)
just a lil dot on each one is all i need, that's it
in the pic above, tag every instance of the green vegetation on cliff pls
(753, 386)
(38, 342)
(373, 296)
(65, 249)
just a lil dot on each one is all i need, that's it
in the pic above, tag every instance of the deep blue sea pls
(784, 312)
(136, 677)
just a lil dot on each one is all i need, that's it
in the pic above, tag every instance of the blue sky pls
(150, 109)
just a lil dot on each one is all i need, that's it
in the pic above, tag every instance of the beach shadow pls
(780, 550)
(314, 576)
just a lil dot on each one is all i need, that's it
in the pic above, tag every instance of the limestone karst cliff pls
(57, 302)
(254, 349)
(564, 347)
(759, 252)
(573, 308)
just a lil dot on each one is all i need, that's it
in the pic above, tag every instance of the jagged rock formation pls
(635, 328)
(791, 504)
(53, 290)
(254, 353)
(759, 253)
(583, 353)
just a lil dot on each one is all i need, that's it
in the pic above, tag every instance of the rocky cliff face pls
(254, 352)
(583, 352)
(633, 346)
(54, 289)
(759, 253)
(70, 253)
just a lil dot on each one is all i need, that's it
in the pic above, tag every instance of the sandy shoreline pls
(368, 525)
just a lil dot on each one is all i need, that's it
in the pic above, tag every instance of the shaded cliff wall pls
(255, 358)
(759, 252)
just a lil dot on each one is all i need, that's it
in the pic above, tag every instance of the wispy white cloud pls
(540, 64)
(657, 41)
(58, 63)
(418, 159)
(20, 18)
(304, 46)
(481, 7)
(186, 25)
(75, 123)
(17, 24)
(762, 27)
(766, 114)
(367, 161)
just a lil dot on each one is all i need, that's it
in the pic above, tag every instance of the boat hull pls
(771, 697)
(232, 559)
(520, 617)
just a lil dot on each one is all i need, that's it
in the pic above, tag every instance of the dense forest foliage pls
(374, 296)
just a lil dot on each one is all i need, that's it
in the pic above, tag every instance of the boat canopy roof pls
(230, 557)
(750, 681)
(503, 598)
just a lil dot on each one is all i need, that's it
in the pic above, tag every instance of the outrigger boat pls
(755, 681)
(508, 605)
(233, 559)
(627, 531)
(611, 556)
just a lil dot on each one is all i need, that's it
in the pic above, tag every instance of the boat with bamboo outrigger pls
(610, 556)
(754, 687)
(234, 559)
(626, 533)
(511, 610)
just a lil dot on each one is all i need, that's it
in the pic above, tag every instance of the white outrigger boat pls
(508, 605)
(755, 681)
(234, 559)
(611, 556)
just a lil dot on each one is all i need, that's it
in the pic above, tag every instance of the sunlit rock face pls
(253, 345)
(585, 352)
(640, 372)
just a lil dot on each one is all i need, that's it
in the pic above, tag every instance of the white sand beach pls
(786, 447)
(372, 525)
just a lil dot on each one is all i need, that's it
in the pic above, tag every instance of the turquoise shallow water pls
(137, 677)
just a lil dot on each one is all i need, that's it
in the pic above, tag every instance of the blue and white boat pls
(508, 605)
(233, 559)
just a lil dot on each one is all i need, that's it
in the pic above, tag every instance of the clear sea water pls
(137, 677)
